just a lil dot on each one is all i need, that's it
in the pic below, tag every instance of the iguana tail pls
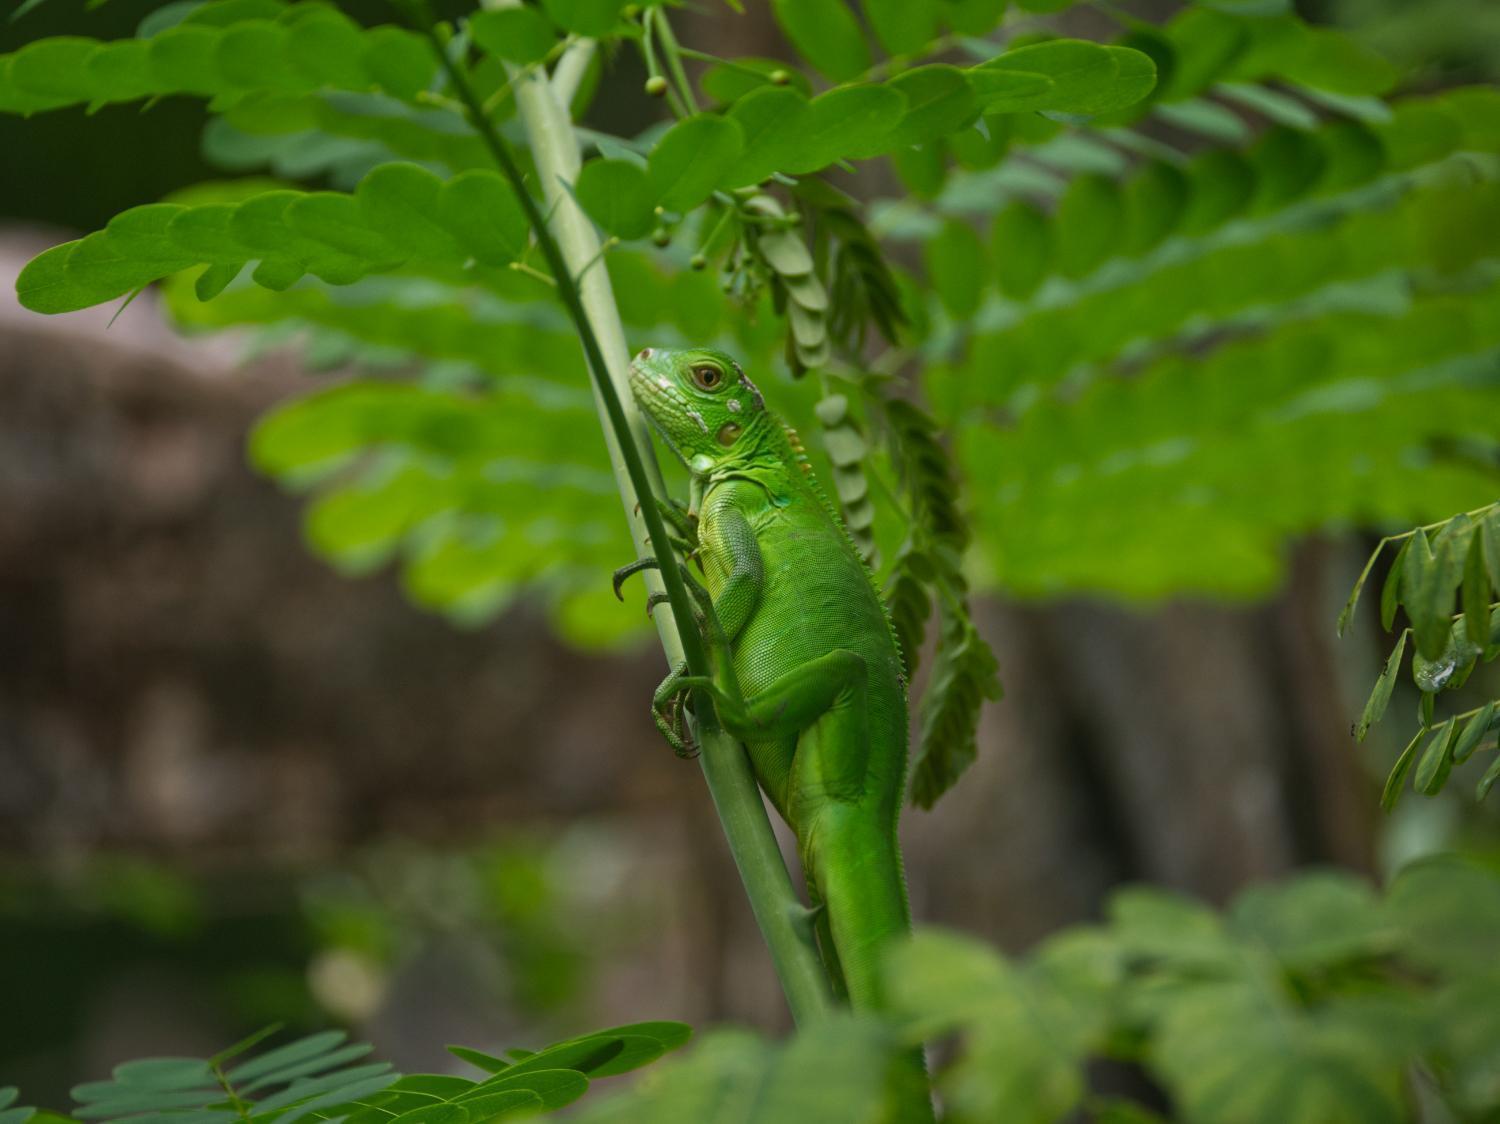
(856, 872)
(859, 878)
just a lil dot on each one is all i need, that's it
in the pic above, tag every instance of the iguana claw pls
(635, 567)
(668, 710)
(703, 609)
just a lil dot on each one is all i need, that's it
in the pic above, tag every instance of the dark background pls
(236, 788)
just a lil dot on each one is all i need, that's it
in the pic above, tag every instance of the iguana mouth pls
(660, 401)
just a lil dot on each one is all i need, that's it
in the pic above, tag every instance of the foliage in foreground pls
(1455, 560)
(1315, 1001)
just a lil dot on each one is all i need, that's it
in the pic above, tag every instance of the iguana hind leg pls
(824, 933)
(820, 707)
(808, 737)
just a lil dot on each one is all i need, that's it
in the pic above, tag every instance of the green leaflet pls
(1288, 163)
(727, 84)
(964, 673)
(1431, 562)
(1021, 244)
(467, 489)
(956, 267)
(402, 131)
(1001, 90)
(1380, 696)
(841, 1070)
(939, 100)
(1086, 77)
(400, 213)
(1205, 44)
(323, 429)
(1069, 529)
(782, 130)
(1221, 184)
(619, 196)
(902, 26)
(584, 17)
(1090, 217)
(1283, 168)
(1435, 759)
(1157, 302)
(520, 35)
(973, 17)
(1431, 574)
(310, 1077)
(1324, 58)
(1155, 202)
(825, 33)
(305, 47)
(692, 158)
(767, 117)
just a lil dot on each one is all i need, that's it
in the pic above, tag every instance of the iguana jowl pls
(821, 699)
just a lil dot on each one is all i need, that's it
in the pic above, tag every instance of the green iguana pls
(820, 699)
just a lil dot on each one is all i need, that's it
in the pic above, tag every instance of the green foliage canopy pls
(1165, 281)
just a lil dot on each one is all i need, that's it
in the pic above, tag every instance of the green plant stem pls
(589, 301)
(653, 68)
(673, 52)
(568, 75)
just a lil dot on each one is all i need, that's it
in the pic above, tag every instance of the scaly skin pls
(820, 701)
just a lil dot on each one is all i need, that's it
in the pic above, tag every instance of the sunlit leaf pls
(825, 33)
(619, 196)
(690, 160)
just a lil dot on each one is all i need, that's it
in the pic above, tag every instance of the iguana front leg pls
(704, 614)
(719, 620)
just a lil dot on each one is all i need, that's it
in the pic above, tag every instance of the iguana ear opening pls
(729, 433)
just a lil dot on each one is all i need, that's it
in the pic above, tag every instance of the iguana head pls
(701, 403)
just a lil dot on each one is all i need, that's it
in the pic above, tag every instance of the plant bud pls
(780, 77)
(661, 236)
(656, 86)
(698, 261)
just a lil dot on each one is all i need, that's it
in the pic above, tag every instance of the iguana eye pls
(708, 376)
